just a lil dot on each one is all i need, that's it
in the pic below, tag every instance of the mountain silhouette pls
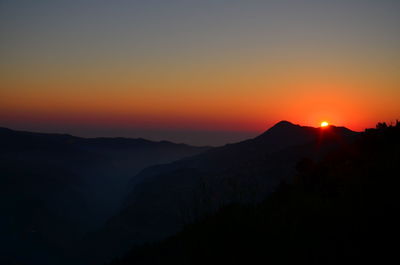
(166, 197)
(86, 200)
(340, 209)
(56, 187)
(285, 133)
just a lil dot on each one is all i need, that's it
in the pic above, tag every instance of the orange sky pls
(220, 68)
(249, 100)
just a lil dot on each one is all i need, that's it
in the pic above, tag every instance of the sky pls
(200, 72)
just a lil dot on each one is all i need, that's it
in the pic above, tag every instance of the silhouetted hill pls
(56, 187)
(169, 196)
(342, 209)
(285, 134)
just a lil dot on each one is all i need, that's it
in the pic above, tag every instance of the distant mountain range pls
(76, 200)
(55, 187)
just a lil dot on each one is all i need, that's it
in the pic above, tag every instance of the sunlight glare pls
(324, 124)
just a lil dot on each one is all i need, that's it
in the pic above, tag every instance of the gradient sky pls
(202, 72)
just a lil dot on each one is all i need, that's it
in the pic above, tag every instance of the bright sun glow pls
(324, 124)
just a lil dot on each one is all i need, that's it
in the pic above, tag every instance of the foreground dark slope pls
(54, 187)
(341, 210)
(172, 195)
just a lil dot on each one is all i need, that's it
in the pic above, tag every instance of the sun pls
(324, 124)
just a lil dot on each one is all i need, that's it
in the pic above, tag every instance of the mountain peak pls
(285, 133)
(283, 124)
(282, 129)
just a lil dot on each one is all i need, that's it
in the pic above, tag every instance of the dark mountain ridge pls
(56, 187)
(165, 197)
(19, 139)
(341, 209)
